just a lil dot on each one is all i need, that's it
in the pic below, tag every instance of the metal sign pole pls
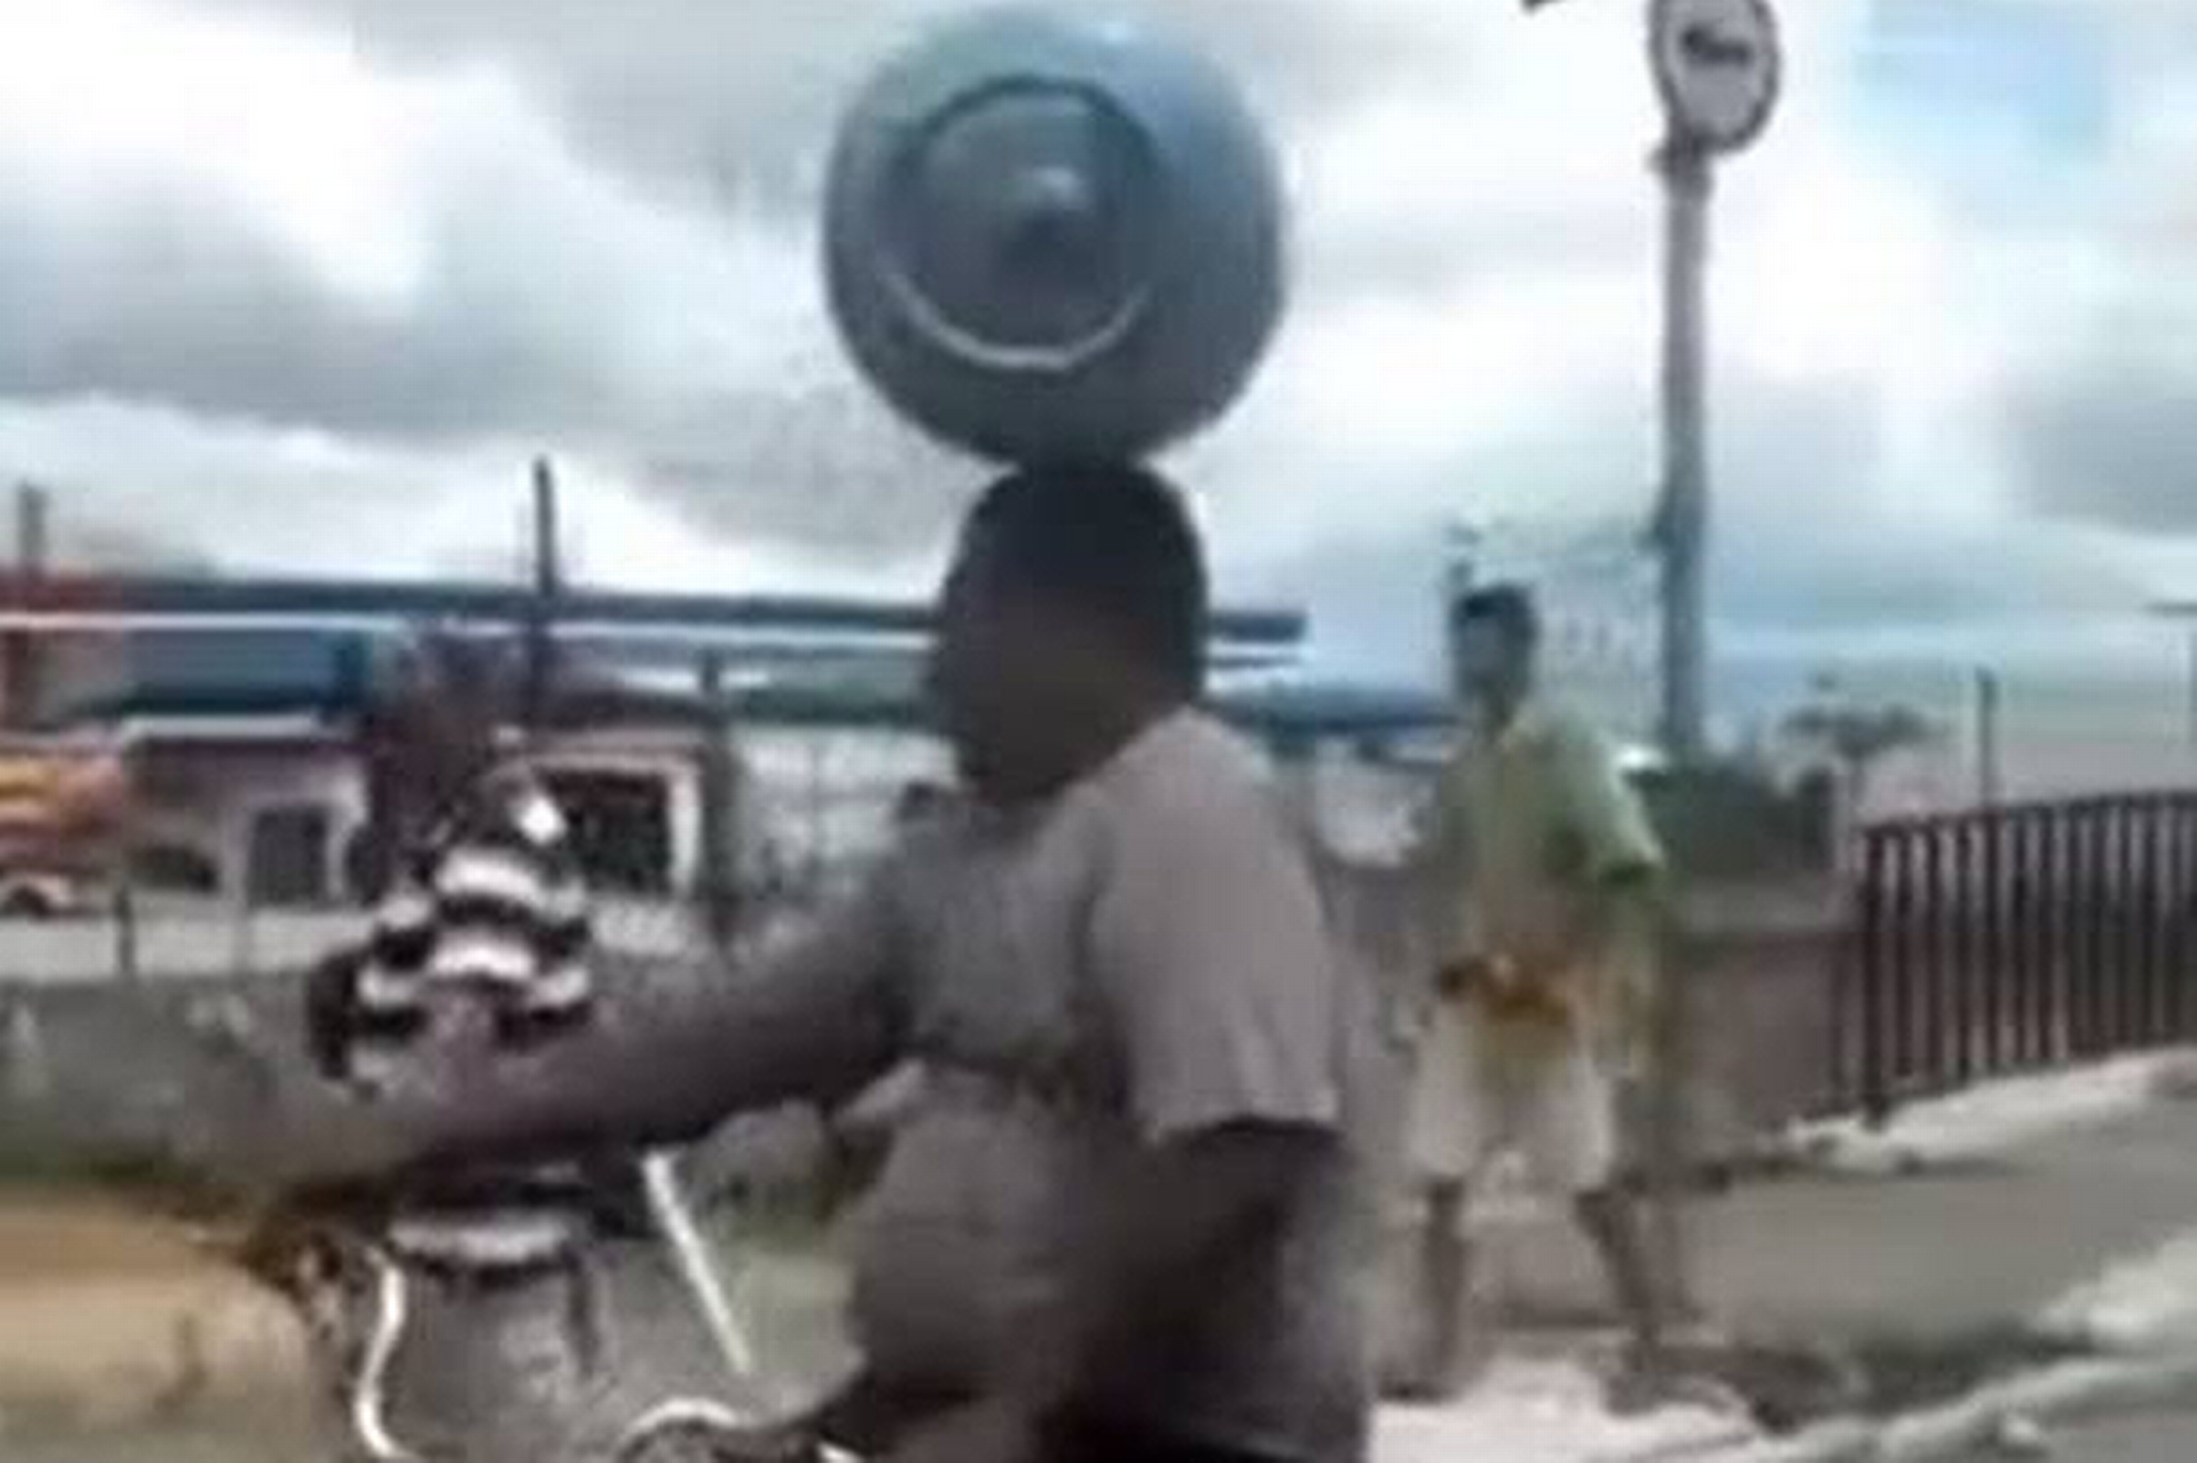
(1682, 527)
(1718, 70)
(548, 582)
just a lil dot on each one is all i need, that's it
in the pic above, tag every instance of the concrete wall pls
(1757, 970)
(171, 945)
(1753, 966)
(178, 940)
(115, 1077)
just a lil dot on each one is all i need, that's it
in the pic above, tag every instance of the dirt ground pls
(126, 1336)
(111, 1319)
(162, 1445)
(58, 1235)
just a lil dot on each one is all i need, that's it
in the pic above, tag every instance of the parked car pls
(35, 893)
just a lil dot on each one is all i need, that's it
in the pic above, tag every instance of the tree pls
(1856, 738)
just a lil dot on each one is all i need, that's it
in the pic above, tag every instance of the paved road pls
(2161, 1435)
(1925, 1259)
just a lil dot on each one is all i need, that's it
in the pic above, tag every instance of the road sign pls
(1717, 66)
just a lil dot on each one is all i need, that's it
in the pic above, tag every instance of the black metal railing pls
(2016, 939)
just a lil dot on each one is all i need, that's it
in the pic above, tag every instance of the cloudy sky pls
(305, 282)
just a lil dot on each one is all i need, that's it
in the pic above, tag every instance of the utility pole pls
(542, 609)
(1460, 575)
(2185, 612)
(2193, 688)
(718, 786)
(1460, 559)
(1718, 69)
(33, 513)
(1989, 783)
(33, 520)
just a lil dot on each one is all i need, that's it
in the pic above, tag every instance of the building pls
(697, 743)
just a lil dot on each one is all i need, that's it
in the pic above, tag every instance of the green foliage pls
(1731, 822)
(1857, 736)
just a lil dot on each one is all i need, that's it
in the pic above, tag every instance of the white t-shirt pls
(1140, 959)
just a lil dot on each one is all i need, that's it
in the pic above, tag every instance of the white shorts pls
(1471, 1103)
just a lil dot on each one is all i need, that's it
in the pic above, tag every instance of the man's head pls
(920, 801)
(435, 716)
(1494, 636)
(1074, 613)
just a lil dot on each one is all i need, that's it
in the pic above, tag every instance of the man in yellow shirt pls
(1550, 880)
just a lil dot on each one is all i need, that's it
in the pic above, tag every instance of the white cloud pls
(510, 230)
(622, 535)
(425, 207)
(317, 149)
(176, 487)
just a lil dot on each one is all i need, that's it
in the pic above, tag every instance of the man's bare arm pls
(817, 1022)
(799, 1031)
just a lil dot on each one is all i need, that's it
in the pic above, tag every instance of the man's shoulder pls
(1188, 766)
(1565, 735)
(1560, 722)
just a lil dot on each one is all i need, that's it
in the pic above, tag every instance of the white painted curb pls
(2056, 1393)
(1989, 1119)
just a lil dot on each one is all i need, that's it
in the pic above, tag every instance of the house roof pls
(1295, 711)
(184, 603)
(237, 652)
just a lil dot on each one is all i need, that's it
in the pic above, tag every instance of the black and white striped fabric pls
(492, 905)
(486, 926)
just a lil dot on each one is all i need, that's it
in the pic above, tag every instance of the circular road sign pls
(1717, 67)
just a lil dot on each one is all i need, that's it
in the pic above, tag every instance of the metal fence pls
(2016, 939)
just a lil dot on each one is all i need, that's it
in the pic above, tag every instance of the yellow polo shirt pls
(1549, 837)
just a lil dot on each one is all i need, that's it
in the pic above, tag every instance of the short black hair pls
(1109, 540)
(1508, 607)
(920, 799)
(438, 665)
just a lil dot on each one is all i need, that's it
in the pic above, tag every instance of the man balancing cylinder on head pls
(1121, 1220)
(1550, 878)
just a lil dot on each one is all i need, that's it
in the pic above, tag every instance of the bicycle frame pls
(716, 1428)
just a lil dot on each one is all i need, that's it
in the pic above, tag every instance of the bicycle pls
(337, 1272)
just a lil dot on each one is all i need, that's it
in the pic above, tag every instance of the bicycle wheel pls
(695, 1430)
